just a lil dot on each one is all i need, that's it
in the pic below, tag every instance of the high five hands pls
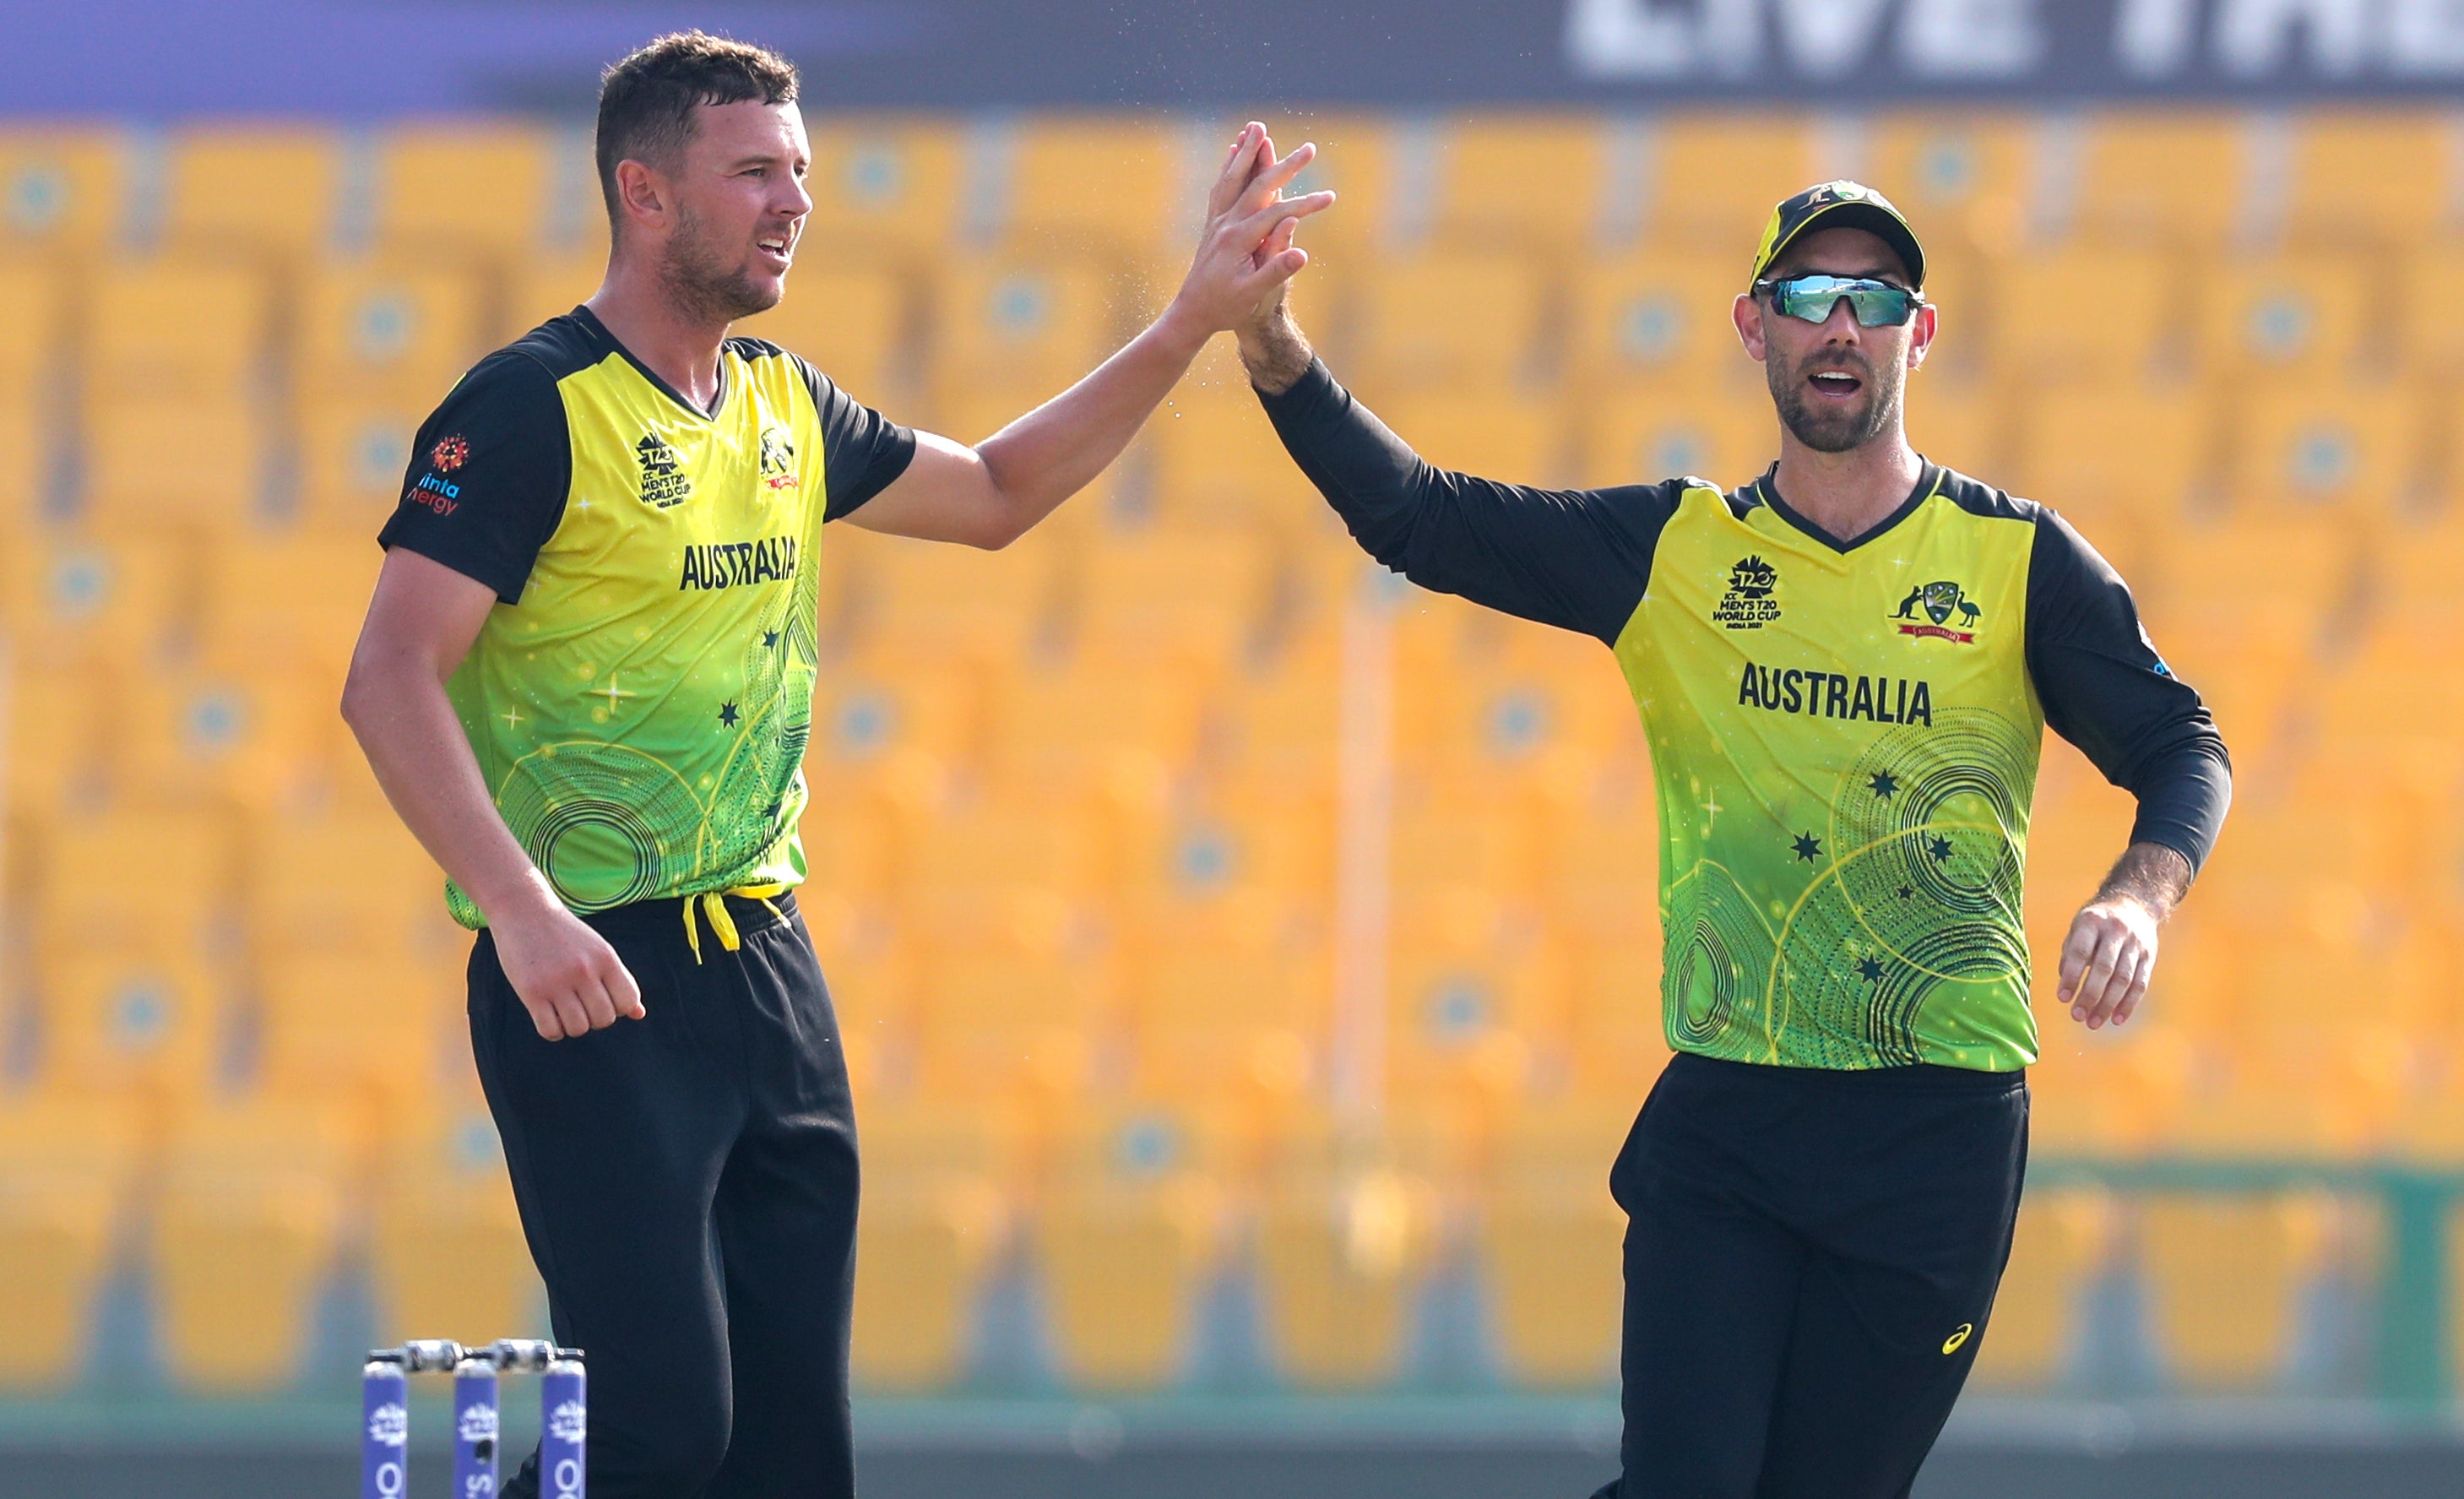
(1246, 252)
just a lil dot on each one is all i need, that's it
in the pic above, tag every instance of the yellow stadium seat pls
(60, 735)
(66, 1161)
(174, 464)
(2062, 1240)
(2430, 326)
(1012, 865)
(447, 1247)
(2179, 175)
(154, 1028)
(32, 304)
(1193, 595)
(25, 465)
(1130, 1235)
(850, 322)
(1522, 179)
(1111, 184)
(1966, 171)
(1517, 438)
(67, 597)
(893, 182)
(170, 326)
(1520, 714)
(1960, 423)
(2360, 448)
(289, 598)
(549, 286)
(472, 188)
(248, 734)
(1459, 320)
(1217, 457)
(1282, 719)
(61, 188)
(894, 722)
(1551, 1236)
(253, 187)
(405, 329)
(1658, 317)
(949, 602)
(2273, 316)
(1091, 723)
(934, 1217)
(372, 1033)
(1227, 990)
(1009, 1011)
(184, 856)
(2367, 175)
(2155, 445)
(1343, 1250)
(345, 879)
(1021, 330)
(1728, 169)
(2224, 1275)
(1643, 436)
(2249, 566)
(245, 1233)
(354, 455)
(2086, 317)
(1473, 994)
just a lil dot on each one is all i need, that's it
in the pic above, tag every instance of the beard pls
(1829, 429)
(702, 283)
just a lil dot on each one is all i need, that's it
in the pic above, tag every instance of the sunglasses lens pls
(1814, 298)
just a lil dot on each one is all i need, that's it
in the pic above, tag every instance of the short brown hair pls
(647, 101)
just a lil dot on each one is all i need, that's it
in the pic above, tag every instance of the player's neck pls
(1847, 493)
(639, 313)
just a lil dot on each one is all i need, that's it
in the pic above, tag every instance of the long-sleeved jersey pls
(1845, 738)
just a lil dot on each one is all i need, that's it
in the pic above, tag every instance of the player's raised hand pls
(2107, 959)
(1246, 252)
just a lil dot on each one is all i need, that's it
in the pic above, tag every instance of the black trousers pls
(688, 1186)
(1810, 1261)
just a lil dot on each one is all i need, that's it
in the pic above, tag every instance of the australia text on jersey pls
(1831, 695)
(725, 565)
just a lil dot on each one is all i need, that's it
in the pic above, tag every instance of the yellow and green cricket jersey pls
(640, 698)
(1845, 738)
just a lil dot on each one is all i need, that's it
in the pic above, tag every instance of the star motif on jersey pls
(1939, 847)
(1883, 783)
(1808, 847)
(769, 639)
(1906, 891)
(728, 715)
(1870, 970)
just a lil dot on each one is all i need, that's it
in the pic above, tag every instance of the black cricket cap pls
(1841, 205)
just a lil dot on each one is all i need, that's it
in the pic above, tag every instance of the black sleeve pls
(488, 475)
(1576, 559)
(863, 452)
(2106, 690)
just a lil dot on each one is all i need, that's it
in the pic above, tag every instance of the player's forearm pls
(2151, 875)
(1275, 353)
(407, 727)
(1058, 447)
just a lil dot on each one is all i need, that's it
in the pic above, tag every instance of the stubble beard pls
(1836, 430)
(702, 284)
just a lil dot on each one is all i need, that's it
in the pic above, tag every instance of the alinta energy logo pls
(1940, 601)
(1748, 605)
(664, 481)
(450, 454)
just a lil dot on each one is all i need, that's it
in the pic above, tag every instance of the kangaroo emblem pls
(1908, 604)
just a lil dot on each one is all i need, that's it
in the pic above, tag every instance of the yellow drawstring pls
(714, 905)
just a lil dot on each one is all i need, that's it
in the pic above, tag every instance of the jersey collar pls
(1929, 478)
(598, 330)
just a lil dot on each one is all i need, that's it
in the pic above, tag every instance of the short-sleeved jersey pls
(640, 698)
(1844, 738)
